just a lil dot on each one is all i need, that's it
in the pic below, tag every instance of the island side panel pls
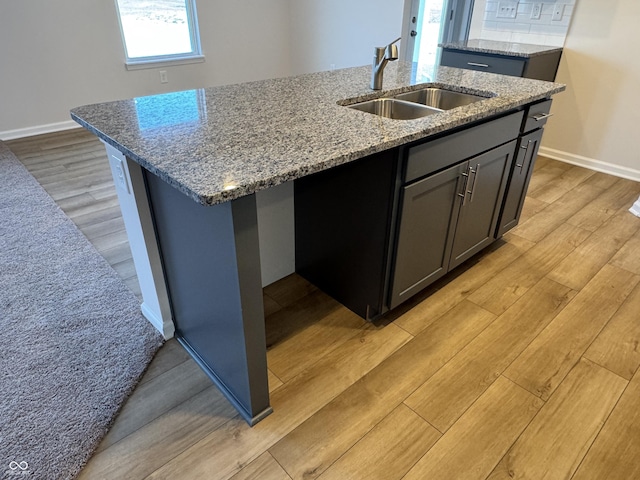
(134, 206)
(343, 219)
(212, 266)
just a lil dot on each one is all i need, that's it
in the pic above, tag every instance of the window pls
(159, 31)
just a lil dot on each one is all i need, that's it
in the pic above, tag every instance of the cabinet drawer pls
(438, 154)
(537, 116)
(486, 63)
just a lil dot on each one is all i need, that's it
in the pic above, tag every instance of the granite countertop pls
(525, 50)
(220, 143)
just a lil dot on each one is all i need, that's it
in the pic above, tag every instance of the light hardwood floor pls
(522, 363)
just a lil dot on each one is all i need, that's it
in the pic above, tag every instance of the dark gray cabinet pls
(480, 207)
(374, 232)
(342, 223)
(429, 212)
(543, 66)
(484, 62)
(526, 152)
(447, 218)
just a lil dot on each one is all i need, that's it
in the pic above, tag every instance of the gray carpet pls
(73, 343)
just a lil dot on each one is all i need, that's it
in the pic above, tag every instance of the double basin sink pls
(417, 103)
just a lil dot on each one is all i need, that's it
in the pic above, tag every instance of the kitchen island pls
(188, 165)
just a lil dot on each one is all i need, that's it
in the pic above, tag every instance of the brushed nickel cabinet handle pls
(542, 116)
(526, 151)
(464, 187)
(475, 181)
(474, 64)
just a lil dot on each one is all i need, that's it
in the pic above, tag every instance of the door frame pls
(456, 26)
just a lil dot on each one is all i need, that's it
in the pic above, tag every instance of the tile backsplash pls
(549, 29)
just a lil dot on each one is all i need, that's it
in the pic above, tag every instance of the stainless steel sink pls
(439, 98)
(395, 108)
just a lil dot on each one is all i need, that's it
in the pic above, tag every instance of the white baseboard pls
(38, 130)
(591, 164)
(166, 328)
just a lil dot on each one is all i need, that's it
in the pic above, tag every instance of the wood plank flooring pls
(522, 363)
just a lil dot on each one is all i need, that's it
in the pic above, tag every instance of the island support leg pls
(134, 205)
(211, 262)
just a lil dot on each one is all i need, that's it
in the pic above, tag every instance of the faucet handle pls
(391, 50)
(395, 41)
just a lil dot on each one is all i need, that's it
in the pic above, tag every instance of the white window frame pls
(195, 56)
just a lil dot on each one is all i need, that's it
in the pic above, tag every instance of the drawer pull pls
(526, 151)
(542, 116)
(463, 195)
(474, 64)
(475, 181)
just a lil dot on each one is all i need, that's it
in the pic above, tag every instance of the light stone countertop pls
(220, 143)
(524, 50)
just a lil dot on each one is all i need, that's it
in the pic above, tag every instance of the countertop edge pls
(294, 174)
(406, 132)
(499, 51)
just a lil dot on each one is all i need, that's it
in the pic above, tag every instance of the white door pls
(429, 23)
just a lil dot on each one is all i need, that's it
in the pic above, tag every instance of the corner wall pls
(597, 117)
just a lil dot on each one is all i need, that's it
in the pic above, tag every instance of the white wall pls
(55, 55)
(58, 55)
(523, 29)
(597, 118)
(477, 19)
(342, 33)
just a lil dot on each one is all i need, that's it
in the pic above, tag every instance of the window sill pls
(165, 62)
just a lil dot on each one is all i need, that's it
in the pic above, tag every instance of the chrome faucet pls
(381, 56)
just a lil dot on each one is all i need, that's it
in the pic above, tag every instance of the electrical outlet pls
(163, 76)
(119, 173)
(536, 11)
(507, 10)
(558, 11)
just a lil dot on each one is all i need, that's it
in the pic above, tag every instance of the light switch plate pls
(507, 10)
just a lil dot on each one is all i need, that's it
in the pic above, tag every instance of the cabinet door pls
(519, 182)
(429, 210)
(482, 201)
